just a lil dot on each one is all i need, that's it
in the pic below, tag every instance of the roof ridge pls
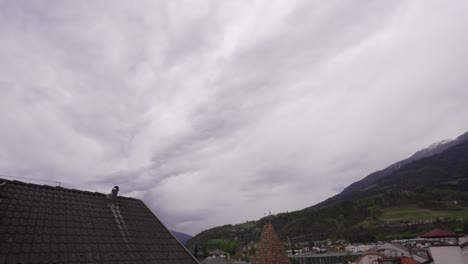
(438, 233)
(44, 186)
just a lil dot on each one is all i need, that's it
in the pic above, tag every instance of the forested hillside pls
(365, 187)
(356, 221)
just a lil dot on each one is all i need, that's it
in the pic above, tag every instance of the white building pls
(449, 254)
(397, 250)
(359, 248)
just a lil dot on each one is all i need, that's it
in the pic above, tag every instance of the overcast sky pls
(215, 112)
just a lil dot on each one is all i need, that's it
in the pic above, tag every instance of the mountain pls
(361, 189)
(183, 238)
(430, 185)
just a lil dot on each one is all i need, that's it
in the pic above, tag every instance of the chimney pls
(113, 196)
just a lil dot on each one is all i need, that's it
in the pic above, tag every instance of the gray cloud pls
(216, 113)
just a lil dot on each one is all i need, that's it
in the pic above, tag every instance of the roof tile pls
(439, 233)
(56, 225)
(270, 249)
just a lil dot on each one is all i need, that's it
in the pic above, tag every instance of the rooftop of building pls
(46, 224)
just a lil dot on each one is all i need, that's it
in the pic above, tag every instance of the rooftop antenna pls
(25, 178)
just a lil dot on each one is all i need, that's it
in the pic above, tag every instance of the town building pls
(325, 258)
(359, 248)
(218, 254)
(216, 257)
(449, 252)
(398, 250)
(397, 260)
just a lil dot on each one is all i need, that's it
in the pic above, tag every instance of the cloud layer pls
(217, 112)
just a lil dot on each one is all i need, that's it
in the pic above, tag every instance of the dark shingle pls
(44, 224)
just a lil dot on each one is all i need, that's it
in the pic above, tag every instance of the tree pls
(347, 259)
(465, 227)
(375, 212)
(205, 252)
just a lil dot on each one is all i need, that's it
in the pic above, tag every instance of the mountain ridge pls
(182, 237)
(434, 180)
(352, 191)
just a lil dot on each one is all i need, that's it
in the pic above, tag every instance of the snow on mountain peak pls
(442, 142)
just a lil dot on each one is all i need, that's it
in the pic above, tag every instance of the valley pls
(426, 191)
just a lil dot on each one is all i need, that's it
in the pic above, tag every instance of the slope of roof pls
(44, 224)
(270, 249)
(410, 251)
(463, 245)
(438, 233)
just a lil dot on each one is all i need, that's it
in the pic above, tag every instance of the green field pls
(414, 213)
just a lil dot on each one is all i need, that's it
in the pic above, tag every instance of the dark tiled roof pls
(270, 250)
(438, 233)
(43, 224)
